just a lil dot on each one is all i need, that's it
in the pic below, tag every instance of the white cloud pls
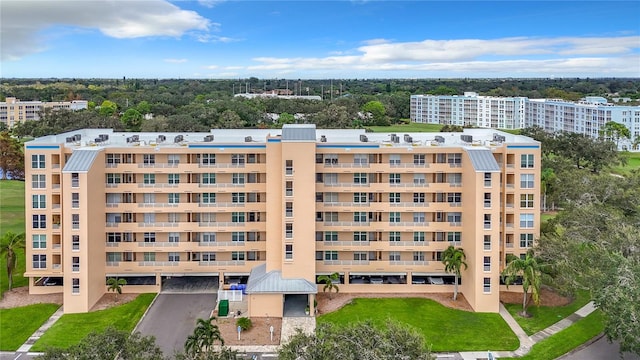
(23, 20)
(175, 61)
(524, 56)
(211, 67)
(209, 3)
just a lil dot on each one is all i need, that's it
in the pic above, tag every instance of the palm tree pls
(203, 338)
(115, 285)
(329, 282)
(532, 274)
(453, 260)
(9, 244)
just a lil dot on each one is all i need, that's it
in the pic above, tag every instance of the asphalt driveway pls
(173, 317)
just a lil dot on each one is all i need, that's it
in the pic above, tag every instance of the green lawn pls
(633, 163)
(407, 128)
(17, 324)
(444, 328)
(12, 219)
(544, 316)
(71, 328)
(568, 339)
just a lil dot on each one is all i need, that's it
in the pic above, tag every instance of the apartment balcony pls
(409, 205)
(345, 223)
(377, 266)
(183, 266)
(409, 224)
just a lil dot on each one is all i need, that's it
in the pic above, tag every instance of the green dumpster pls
(223, 308)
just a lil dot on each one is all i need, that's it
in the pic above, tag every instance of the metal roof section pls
(263, 282)
(81, 160)
(483, 160)
(299, 132)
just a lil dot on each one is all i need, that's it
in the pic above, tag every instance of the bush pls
(244, 323)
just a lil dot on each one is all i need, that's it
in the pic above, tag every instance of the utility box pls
(223, 308)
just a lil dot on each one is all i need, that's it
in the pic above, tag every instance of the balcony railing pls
(159, 224)
(145, 205)
(221, 243)
(346, 262)
(158, 263)
(409, 243)
(222, 263)
(158, 244)
(346, 243)
(409, 223)
(350, 204)
(409, 263)
(347, 223)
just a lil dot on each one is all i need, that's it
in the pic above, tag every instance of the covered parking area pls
(189, 284)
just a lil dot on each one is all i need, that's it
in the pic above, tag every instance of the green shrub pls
(244, 323)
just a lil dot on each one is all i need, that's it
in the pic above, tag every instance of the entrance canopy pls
(263, 282)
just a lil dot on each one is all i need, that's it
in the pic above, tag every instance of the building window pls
(149, 256)
(454, 217)
(39, 221)
(288, 251)
(288, 209)
(75, 221)
(526, 200)
(173, 179)
(288, 232)
(360, 178)
(394, 217)
(487, 200)
(394, 236)
(487, 179)
(360, 216)
(113, 159)
(237, 178)
(454, 198)
(174, 237)
(75, 286)
(149, 159)
(37, 162)
(75, 180)
(359, 197)
(418, 236)
(173, 198)
(454, 237)
(238, 236)
(360, 256)
(394, 256)
(419, 217)
(360, 236)
(526, 221)
(174, 257)
(487, 242)
(208, 159)
(75, 200)
(38, 181)
(487, 286)
(331, 255)
(208, 237)
(394, 178)
(527, 181)
(487, 263)
(419, 159)
(288, 167)
(455, 179)
(39, 201)
(39, 241)
(419, 179)
(39, 261)
(238, 217)
(330, 179)
(418, 256)
(330, 236)
(149, 179)
(149, 237)
(418, 197)
(394, 197)
(237, 255)
(361, 159)
(113, 179)
(487, 221)
(454, 160)
(526, 240)
(209, 178)
(208, 198)
(394, 159)
(288, 188)
(75, 264)
(526, 161)
(237, 159)
(173, 159)
(75, 242)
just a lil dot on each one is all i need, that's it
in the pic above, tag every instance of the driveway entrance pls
(295, 304)
(172, 318)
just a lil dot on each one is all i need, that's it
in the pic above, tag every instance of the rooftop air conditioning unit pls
(499, 138)
(69, 139)
(161, 138)
(208, 138)
(323, 138)
(248, 139)
(135, 138)
(77, 137)
(466, 138)
(97, 140)
(439, 139)
(364, 138)
(408, 138)
(178, 138)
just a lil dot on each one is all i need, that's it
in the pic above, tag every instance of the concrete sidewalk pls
(36, 335)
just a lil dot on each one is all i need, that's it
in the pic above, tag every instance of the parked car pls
(435, 280)
(376, 280)
(418, 281)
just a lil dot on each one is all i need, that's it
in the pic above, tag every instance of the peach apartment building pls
(274, 209)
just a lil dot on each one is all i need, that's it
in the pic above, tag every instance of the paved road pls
(601, 349)
(173, 317)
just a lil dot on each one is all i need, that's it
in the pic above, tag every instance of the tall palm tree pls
(532, 273)
(329, 282)
(115, 285)
(453, 260)
(203, 338)
(9, 244)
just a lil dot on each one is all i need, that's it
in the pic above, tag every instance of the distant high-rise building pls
(14, 111)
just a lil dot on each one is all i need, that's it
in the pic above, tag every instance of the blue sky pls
(319, 39)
